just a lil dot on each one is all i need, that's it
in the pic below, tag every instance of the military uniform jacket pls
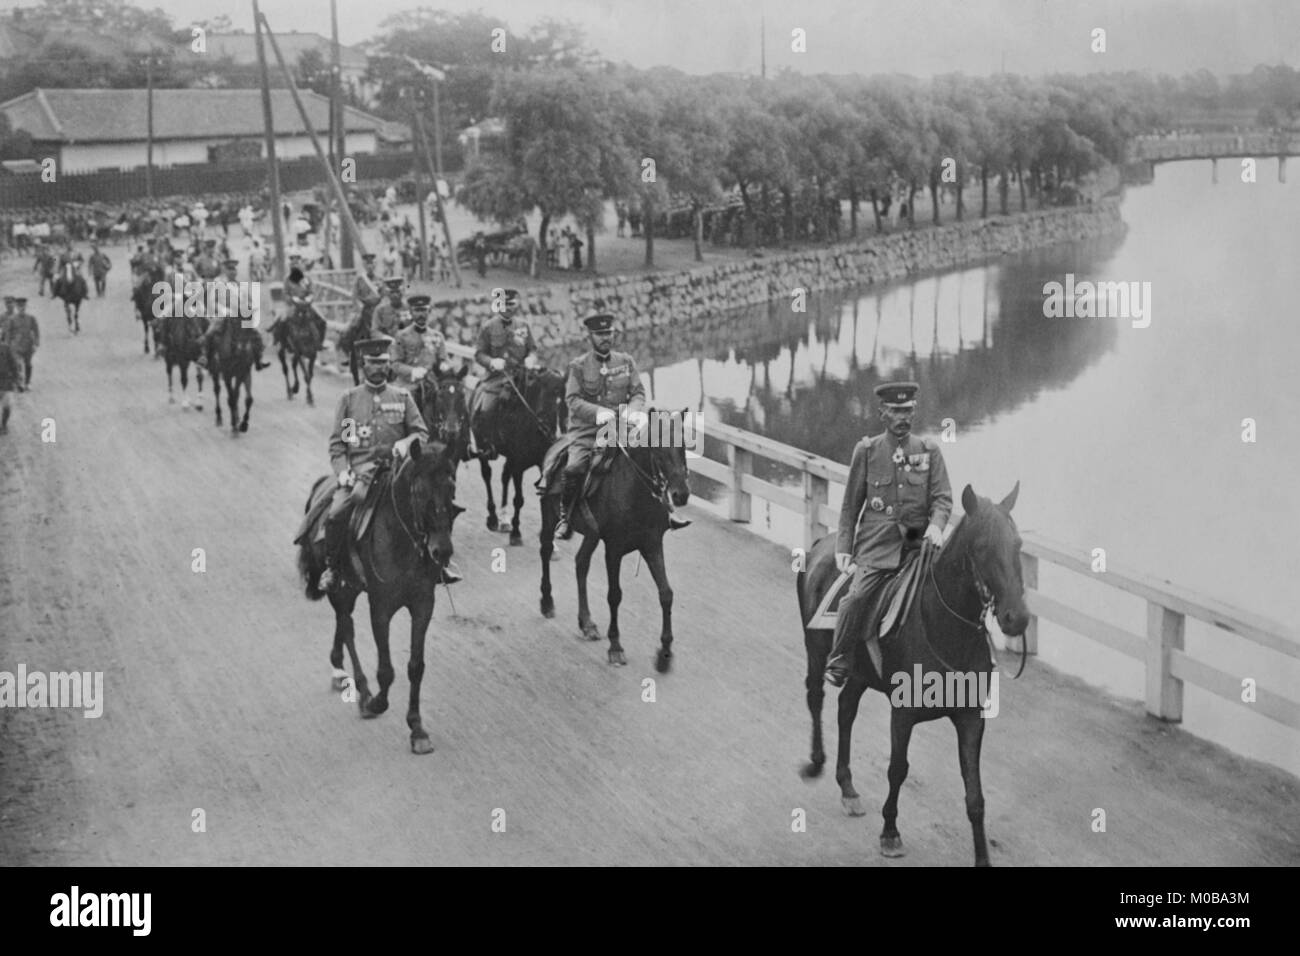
(411, 349)
(512, 341)
(593, 385)
(388, 318)
(295, 292)
(100, 264)
(894, 490)
(366, 290)
(22, 333)
(10, 376)
(374, 420)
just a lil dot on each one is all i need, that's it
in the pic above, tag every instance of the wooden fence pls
(1168, 665)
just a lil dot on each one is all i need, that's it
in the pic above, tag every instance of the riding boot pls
(335, 545)
(568, 501)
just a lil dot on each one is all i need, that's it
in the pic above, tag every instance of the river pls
(1122, 437)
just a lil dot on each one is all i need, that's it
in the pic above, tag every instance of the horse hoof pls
(243, 426)
(853, 806)
(892, 846)
(618, 657)
(198, 406)
(591, 633)
(548, 607)
(373, 707)
(339, 679)
(812, 769)
(516, 539)
(185, 404)
(492, 523)
(420, 744)
(663, 661)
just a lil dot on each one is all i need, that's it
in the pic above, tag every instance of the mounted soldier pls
(43, 266)
(391, 315)
(418, 350)
(503, 346)
(374, 421)
(227, 296)
(298, 294)
(601, 383)
(897, 496)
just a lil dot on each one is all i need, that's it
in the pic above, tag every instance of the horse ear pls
(1009, 501)
(969, 502)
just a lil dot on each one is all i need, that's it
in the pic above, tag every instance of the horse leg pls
(421, 614)
(380, 618)
(309, 372)
(185, 384)
(970, 735)
(549, 518)
(582, 564)
(216, 395)
(850, 697)
(284, 367)
(613, 561)
(171, 397)
(485, 469)
(345, 636)
(901, 722)
(232, 401)
(198, 388)
(518, 474)
(817, 646)
(248, 398)
(296, 363)
(654, 559)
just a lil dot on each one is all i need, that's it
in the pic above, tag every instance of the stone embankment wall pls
(660, 300)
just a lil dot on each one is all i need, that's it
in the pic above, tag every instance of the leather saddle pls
(311, 530)
(892, 604)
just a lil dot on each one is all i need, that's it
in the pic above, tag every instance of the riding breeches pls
(863, 588)
(580, 450)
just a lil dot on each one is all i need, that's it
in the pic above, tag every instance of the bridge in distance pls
(217, 693)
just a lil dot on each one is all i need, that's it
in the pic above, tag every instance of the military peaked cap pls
(897, 394)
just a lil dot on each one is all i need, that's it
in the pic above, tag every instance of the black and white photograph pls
(650, 433)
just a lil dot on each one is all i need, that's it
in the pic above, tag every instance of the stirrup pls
(563, 528)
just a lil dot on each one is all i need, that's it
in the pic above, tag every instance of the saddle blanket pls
(892, 604)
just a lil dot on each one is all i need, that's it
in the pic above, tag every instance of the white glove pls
(934, 535)
(498, 364)
(843, 561)
(346, 478)
(418, 373)
(605, 416)
(447, 367)
(638, 419)
(531, 361)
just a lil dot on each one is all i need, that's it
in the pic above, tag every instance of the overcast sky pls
(920, 37)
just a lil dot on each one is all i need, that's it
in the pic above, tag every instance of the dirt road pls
(217, 694)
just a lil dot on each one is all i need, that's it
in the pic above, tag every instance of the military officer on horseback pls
(298, 294)
(373, 421)
(228, 294)
(418, 350)
(897, 495)
(600, 382)
(503, 347)
(389, 315)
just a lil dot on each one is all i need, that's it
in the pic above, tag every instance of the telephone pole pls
(272, 167)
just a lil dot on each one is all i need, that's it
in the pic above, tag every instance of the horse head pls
(443, 401)
(543, 389)
(661, 453)
(430, 483)
(992, 544)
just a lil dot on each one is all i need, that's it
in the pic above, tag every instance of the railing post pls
(742, 463)
(1029, 572)
(816, 491)
(1164, 691)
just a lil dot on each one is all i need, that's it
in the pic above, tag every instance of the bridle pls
(988, 602)
(547, 433)
(416, 534)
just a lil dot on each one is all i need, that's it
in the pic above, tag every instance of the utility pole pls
(330, 175)
(148, 149)
(419, 186)
(273, 169)
(346, 259)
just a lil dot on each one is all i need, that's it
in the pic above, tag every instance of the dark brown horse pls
(300, 338)
(630, 514)
(179, 345)
(232, 356)
(401, 554)
(530, 416)
(440, 396)
(70, 286)
(144, 297)
(943, 638)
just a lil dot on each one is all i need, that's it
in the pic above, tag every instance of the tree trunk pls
(648, 224)
(697, 215)
(1020, 181)
(934, 196)
(749, 216)
(763, 225)
(875, 210)
(787, 201)
(853, 210)
(541, 236)
(911, 204)
(1004, 188)
(961, 186)
(591, 248)
(984, 192)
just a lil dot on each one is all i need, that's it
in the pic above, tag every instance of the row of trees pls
(791, 148)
